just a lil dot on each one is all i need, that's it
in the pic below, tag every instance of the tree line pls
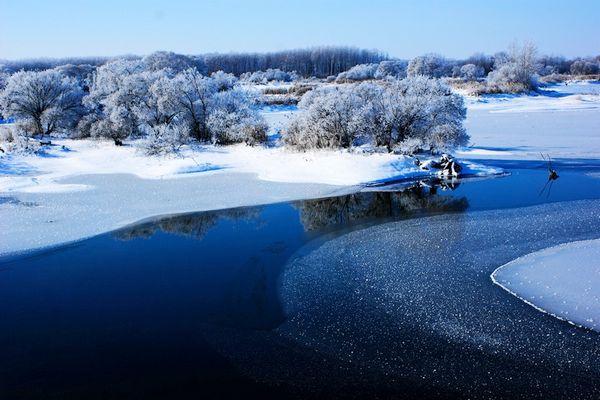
(319, 62)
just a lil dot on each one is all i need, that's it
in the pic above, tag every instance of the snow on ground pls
(576, 87)
(563, 281)
(278, 117)
(85, 157)
(562, 123)
(538, 103)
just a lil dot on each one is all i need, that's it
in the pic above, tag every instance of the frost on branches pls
(44, 102)
(408, 115)
(517, 72)
(167, 108)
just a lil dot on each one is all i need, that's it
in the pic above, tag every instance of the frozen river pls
(381, 293)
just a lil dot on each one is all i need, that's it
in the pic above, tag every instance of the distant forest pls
(320, 62)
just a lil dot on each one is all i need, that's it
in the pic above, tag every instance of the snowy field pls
(563, 122)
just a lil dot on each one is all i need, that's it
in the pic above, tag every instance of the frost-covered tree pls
(83, 73)
(431, 65)
(518, 73)
(423, 112)
(127, 99)
(583, 67)
(196, 99)
(43, 64)
(391, 68)
(224, 81)
(45, 101)
(499, 59)
(3, 79)
(359, 72)
(328, 119)
(471, 72)
(553, 65)
(481, 60)
(112, 99)
(233, 120)
(318, 61)
(168, 60)
(419, 111)
(4, 75)
(158, 106)
(163, 138)
(269, 75)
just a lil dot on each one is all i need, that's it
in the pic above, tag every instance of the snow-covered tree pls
(583, 67)
(269, 75)
(168, 60)
(481, 60)
(112, 99)
(83, 73)
(359, 72)
(431, 65)
(4, 75)
(499, 59)
(233, 120)
(553, 65)
(391, 68)
(424, 111)
(195, 99)
(318, 61)
(418, 110)
(165, 138)
(471, 72)
(516, 73)
(328, 119)
(45, 101)
(126, 99)
(224, 81)
(158, 107)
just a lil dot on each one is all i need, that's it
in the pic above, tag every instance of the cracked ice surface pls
(414, 298)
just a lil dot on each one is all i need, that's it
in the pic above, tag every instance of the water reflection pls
(416, 200)
(421, 198)
(195, 225)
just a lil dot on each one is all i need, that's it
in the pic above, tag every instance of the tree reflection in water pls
(195, 225)
(322, 214)
(422, 198)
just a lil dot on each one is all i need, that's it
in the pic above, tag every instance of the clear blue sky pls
(57, 28)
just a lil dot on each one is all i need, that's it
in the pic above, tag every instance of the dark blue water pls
(134, 313)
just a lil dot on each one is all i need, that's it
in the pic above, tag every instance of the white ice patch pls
(563, 281)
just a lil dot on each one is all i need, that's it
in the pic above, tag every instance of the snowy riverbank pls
(89, 187)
